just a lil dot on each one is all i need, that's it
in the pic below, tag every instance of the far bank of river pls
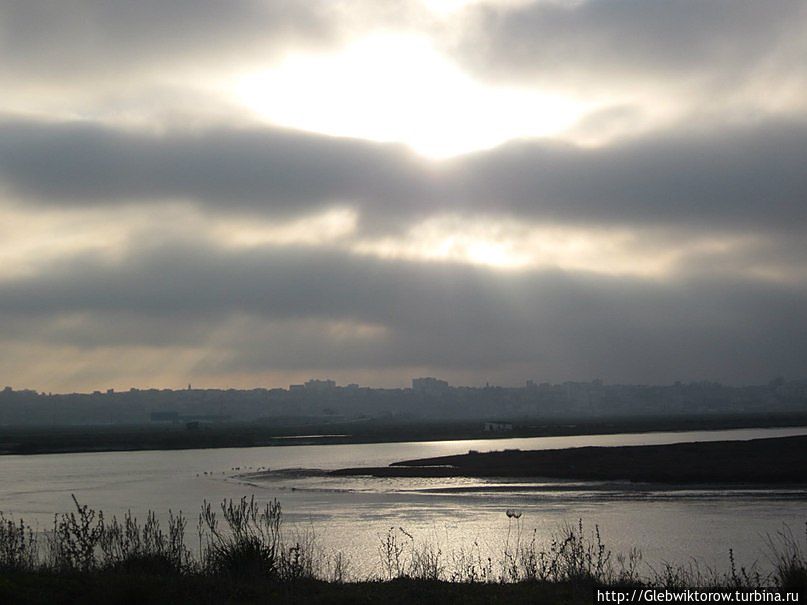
(114, 438)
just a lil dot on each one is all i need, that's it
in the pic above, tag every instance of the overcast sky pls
(256, 192)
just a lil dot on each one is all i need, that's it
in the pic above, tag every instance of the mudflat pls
(781, 460)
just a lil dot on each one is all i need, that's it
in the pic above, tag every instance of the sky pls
(255, 192)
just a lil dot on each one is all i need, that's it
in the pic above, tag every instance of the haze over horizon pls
(403, 385)
(259, 192)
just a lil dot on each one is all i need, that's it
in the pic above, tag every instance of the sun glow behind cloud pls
(498, 244)
(518, 246)
(509, 246)
(398, 88)
(322, 228)
(493, 243)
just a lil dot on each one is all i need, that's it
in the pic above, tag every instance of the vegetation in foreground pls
(244, 555)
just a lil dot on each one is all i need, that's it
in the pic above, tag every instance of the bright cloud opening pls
(508, 245)
(398, 88)
(327, 227)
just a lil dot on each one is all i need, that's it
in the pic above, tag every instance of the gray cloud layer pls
(55, 42)
(441, 315)
(630, 40)
(745, 176)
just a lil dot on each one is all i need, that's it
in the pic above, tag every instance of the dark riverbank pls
(760, 461)
(69, 439)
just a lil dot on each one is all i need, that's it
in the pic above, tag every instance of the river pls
(352, 513)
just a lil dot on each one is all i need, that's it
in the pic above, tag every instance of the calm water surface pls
(351, 513)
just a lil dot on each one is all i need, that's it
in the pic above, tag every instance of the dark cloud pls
(268, 169)
(746, 176)
(441, 316)
(624, 42)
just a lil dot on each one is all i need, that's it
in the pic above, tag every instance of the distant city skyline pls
(426, 399)
(321, 384)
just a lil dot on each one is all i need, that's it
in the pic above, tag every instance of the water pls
(351, 513)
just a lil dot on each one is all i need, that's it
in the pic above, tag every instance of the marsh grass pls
(18, 545)
(246, 543)
(571, 556)
(789, 558)
(127, 546)
(242, 540)
(402, 556)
